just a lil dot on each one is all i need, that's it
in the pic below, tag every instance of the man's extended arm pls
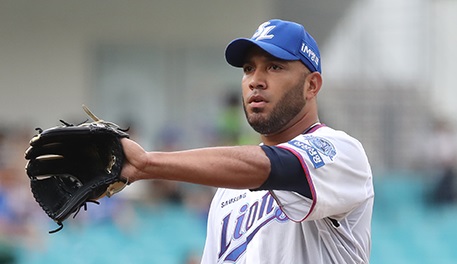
(240, 167)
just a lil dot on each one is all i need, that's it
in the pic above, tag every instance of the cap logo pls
(309, 53)
(262, 32)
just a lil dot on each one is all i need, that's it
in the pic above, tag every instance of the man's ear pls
(314, 84)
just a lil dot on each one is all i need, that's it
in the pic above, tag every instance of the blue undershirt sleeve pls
(286, 172)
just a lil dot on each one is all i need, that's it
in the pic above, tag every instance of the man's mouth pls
(257, 101)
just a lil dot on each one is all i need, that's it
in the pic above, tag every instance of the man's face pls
(273, 91)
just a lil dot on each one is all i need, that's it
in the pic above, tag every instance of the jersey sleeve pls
(338, 174)
(286, 172)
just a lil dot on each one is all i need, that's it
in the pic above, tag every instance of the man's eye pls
(247, 68)
(275, 67)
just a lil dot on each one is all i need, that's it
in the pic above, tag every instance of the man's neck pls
(289, 133)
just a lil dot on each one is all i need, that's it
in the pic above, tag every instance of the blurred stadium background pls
(158, 66)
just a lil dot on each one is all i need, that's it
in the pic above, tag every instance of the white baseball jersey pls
(256, 227)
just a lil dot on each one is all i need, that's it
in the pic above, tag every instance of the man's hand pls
(136, 160)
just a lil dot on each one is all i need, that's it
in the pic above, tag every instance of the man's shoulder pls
(326, 133)
(323, 145)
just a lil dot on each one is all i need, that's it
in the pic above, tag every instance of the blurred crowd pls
(436, 157)
(20, 216)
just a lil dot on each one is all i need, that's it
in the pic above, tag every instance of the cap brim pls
(236, 51)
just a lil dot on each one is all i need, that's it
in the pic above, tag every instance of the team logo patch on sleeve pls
(319, 150)
(323, 146)
(313, 154)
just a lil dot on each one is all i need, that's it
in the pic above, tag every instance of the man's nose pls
(258, 80)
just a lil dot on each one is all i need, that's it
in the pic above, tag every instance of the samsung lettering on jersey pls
(233, 200)
(309, 53)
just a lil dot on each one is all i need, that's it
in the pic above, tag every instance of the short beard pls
(287, 108)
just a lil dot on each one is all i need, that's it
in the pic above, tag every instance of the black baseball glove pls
(70, 165)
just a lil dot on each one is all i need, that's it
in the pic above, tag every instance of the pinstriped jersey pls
(334, 226)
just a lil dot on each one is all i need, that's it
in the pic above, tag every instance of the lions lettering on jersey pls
(250, 218)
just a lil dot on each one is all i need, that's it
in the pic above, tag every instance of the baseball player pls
(305, 194)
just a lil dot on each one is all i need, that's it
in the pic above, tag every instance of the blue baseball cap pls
(282, 39)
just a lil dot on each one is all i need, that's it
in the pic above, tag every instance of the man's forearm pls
(233, 167)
